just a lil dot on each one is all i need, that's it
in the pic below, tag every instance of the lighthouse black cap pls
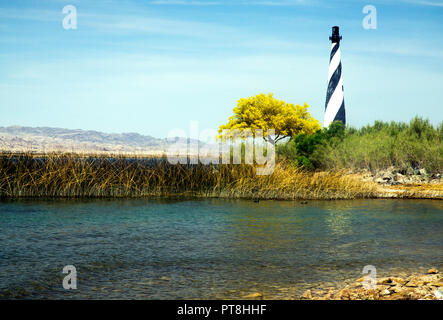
(336, 37)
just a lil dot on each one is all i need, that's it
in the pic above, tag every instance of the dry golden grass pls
(289, 182)
(412, 191)
(70, 175)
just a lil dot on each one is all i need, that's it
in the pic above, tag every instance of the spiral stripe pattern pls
(335, 103)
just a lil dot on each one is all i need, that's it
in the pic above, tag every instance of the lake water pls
(209, 249)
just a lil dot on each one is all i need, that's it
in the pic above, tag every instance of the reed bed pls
(59, 175)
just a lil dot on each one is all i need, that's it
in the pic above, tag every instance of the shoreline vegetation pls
(73, 176)
(383, 160)
(58, 175)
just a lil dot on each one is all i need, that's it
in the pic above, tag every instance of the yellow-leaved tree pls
(265, 112)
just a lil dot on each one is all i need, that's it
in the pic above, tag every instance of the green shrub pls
(378, 146)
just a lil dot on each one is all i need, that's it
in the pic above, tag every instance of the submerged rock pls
(307, 294)
(255, 295)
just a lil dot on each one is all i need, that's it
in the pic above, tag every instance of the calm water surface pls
(170, 249)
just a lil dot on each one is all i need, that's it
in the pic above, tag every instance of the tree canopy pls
(265, 112)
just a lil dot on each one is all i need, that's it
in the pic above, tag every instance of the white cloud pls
(124, 23)
(30, 14)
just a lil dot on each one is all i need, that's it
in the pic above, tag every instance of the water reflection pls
(186, 248)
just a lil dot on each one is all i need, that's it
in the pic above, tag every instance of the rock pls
(422, 172)
(414, 287)
(344, 294)
(396, 289)
(438, 294)
(254, 295)
(415, 283)
(438, 283)
(385, 292)
(399, 177)
(307, 294)
(392, 170)
(392, 281)
(428, 278)
(372, 294)
(405, 294)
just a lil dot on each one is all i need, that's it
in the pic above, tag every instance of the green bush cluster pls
(406, 146)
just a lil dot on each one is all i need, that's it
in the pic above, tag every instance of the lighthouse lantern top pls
(336, 37)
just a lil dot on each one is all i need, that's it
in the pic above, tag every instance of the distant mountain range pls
(45, 139)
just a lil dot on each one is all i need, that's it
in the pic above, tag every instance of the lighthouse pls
(335, 102)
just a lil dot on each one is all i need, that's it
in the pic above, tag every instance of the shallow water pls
(203, 249)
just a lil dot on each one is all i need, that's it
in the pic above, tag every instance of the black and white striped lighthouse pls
(335, 102)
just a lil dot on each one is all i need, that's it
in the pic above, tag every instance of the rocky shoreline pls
(413, 287)
(405, 184)
(394, 177)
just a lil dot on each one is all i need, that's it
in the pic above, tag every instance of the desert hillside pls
(46, 139)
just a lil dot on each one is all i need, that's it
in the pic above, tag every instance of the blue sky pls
(152, 66)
